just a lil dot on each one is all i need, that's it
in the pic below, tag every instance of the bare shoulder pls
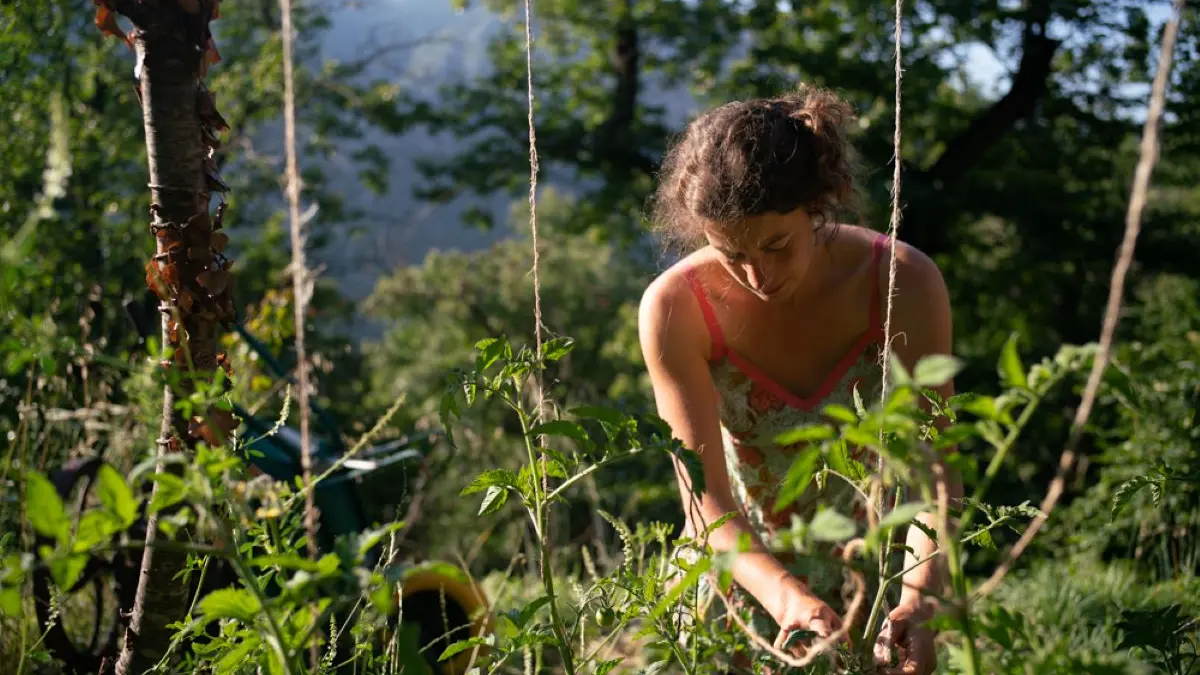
(670, 314)
(921, 315)
(919, 282)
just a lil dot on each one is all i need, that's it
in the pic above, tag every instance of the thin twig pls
(1147, 156)
(300, 286)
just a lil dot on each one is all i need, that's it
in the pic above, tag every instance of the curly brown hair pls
(749, 158)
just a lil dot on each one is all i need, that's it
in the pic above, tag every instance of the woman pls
(776, 313)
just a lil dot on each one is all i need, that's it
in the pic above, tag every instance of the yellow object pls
(433, 597)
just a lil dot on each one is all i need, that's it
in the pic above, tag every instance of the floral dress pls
(754, 409)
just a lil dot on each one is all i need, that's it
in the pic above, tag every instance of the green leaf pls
(65, 569)
(368, 539)
(489, 479)
(286, 562)
(819, 432)
(229, 603)
(605, 667)
(840, 413)
(829, 525)
(902, 514)
(557, 348)
(689, 580)
(839, 460)
(495, 498)
(1012, 373)
(528, 611)
(463, 645)
(488, 352)
(44, 508)
(798, 477)
(169, 491)
(95, 527)
(235, 659)
(438, 567)
(1126, 491)
(897, 372)
(935, 370)
(115, 495)
(381, 598)
(565, 428)
(10, 601)
(595, 412)
(955, 434)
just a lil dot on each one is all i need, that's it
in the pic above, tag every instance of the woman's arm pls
(675, 345)
(922, 326)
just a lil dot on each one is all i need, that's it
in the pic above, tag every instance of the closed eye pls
(776, 246)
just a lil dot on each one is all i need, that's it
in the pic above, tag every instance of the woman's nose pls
(755, 277)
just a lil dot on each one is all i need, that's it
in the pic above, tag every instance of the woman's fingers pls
(885, 643)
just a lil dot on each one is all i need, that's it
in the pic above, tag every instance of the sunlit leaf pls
(43, 507)
(935, 370)
(115, 494)
(1012, 373)
(495, 497)
(229, 603)
(829, 525)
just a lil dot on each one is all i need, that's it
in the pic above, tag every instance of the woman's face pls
(770, 254)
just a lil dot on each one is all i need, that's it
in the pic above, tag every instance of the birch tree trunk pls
(188, 273)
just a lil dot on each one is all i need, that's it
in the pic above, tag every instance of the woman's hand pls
(905, 631)
(800, 610)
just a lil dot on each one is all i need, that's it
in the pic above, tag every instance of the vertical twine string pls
(299, 285)
(878, 493)
(894, 225)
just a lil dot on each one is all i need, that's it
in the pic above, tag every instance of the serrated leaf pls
(1126, 491)
(489, 479)
(798, 477)
(829, 525)
(839, 460)
(607, 415)
(1012, 373)
(229, 603)
(557, 348)
(804, 434)
(463, 645)
(528, 611)
(955, 434)
(495, 497)
(982, 538)
(605, 667)
(488, 352)
(860, 408)
(564, 428)
(368, 539)
(690, 579)
(235, 658)
(935, 370)
(44, 508)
